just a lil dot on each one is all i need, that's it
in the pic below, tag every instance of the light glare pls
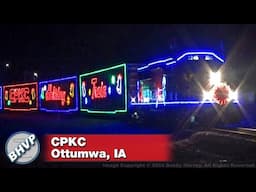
(215, 78)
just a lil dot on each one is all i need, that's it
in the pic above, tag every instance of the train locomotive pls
(188, 89)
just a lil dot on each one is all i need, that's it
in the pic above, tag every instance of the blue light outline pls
(58, 80)
(155, 62)
(179, 102)
(180, 57)
(200, 53)
(170, 63)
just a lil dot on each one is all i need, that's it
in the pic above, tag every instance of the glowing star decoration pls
(109, 90)
(72, 90)
(119, 84)
(89, 92)
(84, 89)
(133, 99)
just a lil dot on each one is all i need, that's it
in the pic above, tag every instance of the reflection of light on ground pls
(188, 120)
(244, 112)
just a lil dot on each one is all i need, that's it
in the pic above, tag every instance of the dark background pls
(58, 50)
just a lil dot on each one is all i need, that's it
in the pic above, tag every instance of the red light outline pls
(23, 84)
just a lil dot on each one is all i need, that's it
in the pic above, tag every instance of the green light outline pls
(125, 90)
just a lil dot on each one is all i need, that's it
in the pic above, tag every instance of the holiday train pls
(192, 81)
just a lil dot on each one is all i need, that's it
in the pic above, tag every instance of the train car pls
(107, 91)
(20, 97)
(59, 95)
(187, 89)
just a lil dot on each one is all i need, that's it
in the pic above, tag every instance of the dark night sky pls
(61, 49)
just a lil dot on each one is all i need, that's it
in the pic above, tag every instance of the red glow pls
(54, 93)
(140, 96)
(20, 98)
(221, 95)
(100, 91)
(119, 76)
(19, 95)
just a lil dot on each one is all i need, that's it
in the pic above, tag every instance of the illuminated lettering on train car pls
(21, 97)
(59, 95)
(104, 91)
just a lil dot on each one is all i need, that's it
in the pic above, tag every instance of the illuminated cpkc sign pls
(59, 95)
(104, 91)
(21, 97)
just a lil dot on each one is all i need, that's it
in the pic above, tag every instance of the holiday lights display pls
(21, 97)
(104, 91)
(208, 55)
(171, 81)
(59, 95)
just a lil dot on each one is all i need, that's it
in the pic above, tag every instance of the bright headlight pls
(207, 95)
(215, 78)
(233, 95)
